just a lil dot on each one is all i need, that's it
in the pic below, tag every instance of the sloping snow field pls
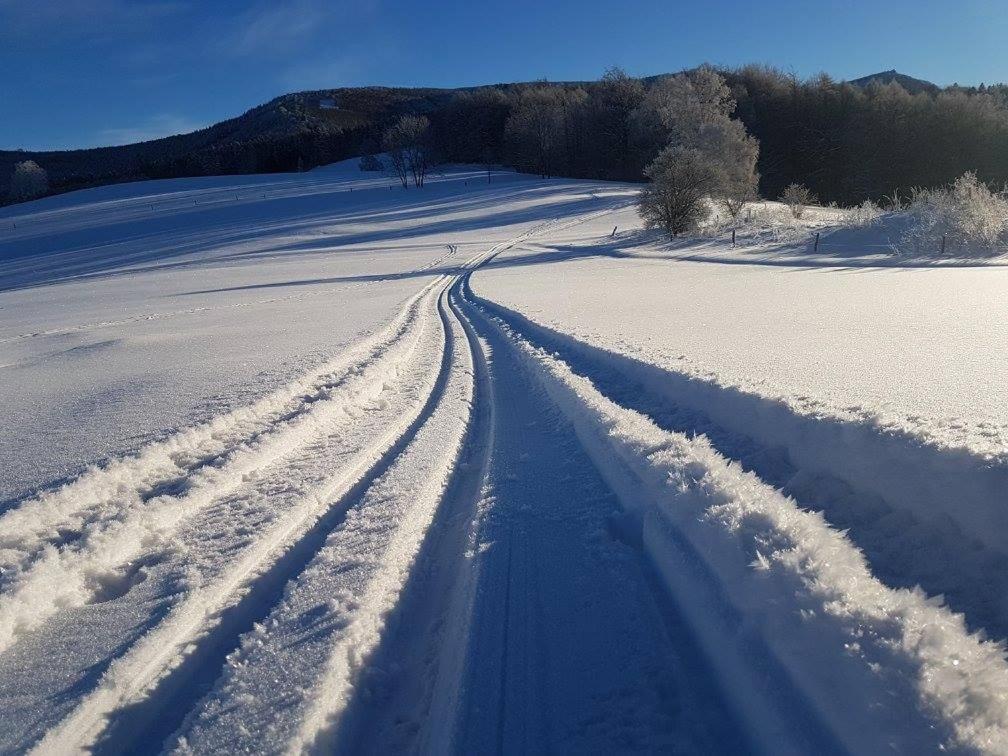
(312, 463)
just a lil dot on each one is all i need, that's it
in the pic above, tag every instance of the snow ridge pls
(801, 589)
(346, 590)
(120, 532)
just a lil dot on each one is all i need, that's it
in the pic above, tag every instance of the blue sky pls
(88, 72)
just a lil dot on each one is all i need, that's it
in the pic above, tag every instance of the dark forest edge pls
(846, 142)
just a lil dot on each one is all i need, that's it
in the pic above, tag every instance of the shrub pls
(864, 214)
(797, 197)
(966, 216)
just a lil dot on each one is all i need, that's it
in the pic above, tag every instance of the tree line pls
(846, 143)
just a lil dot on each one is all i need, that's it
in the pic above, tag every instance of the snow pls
(797, 582)
(919, 348)
(305, 462)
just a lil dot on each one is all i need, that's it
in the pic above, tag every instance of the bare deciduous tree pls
(541, 130)
(408, 146)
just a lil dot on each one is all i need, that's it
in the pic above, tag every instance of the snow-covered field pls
(308, 463)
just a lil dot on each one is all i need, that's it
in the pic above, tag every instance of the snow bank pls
(878, 664)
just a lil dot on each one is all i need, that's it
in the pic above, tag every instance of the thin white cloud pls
(158, 126)
(268, 28)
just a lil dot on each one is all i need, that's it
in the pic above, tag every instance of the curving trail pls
(469, 535)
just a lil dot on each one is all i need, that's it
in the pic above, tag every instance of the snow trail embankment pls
(760, 576)
(895, 494)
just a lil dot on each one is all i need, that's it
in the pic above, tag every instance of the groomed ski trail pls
(91, 540)
(768, 586)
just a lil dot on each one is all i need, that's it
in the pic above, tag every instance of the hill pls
(311, 128)
(909, 83)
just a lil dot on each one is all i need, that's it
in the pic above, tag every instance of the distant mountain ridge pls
(909, 83)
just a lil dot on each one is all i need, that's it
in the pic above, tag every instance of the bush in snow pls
(966, 217)
(29, 180)
(797, 197)
(371, 163)
(864, 214)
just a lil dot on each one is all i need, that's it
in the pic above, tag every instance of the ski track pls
(98, 536)
(813, 465)
(469, 533)
(118, 531)
(331, 615)
(805, 594)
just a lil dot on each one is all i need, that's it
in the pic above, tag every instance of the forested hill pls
(846, 141)
(304, 128)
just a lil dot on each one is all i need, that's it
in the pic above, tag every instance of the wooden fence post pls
(816, 242)
(733, 237)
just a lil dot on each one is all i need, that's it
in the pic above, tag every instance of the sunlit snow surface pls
(119, 323)
(853, 331)
(312, 462)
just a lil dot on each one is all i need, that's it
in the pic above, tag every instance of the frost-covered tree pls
(675, 199)
(675, 108)
(964, 218)
(692, 114)
(732, 154)
(29, 180)
(408, 145)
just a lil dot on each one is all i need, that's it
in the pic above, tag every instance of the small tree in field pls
(797, 197)
(674, 201)
(29, 180)
(408, 145)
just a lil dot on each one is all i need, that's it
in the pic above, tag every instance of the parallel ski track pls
(60, 547)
